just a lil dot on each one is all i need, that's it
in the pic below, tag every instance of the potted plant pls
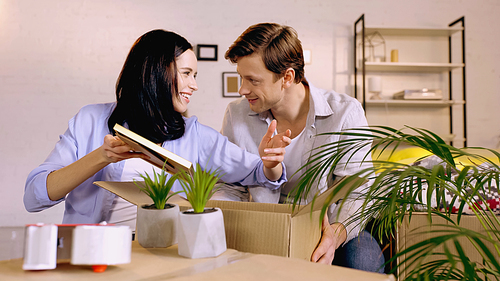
(157, 223)
(201, 230)
(443, 185)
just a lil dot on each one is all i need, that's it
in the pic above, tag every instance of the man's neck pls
(292, 110)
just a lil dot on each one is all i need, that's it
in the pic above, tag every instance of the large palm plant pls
(397, 190)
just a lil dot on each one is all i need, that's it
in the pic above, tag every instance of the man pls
(270, 62)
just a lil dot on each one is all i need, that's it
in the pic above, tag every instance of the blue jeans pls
(362, 252)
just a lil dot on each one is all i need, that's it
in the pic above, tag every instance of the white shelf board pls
(411, 66)
(408, 31)
(437, 103)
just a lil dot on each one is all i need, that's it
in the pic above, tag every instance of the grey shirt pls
(329, 112)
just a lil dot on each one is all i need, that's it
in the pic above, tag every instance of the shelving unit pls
(411, 67)
(437, 103)
(362, 67)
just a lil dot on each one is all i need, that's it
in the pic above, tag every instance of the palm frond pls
(397, 190)
(427, 258)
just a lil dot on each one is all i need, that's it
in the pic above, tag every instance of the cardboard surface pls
(305, 234)
(166, 264)
(259, 228)
(418, 229)
(127, 190)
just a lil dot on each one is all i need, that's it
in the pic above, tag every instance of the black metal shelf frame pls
(361, 20)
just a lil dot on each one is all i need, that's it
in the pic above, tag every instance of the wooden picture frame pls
(206, 52)
(231, 82)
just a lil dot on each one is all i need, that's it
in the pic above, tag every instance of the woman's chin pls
(181, 108)
(182, 111)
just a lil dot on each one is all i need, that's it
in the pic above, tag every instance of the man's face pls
(258, 84)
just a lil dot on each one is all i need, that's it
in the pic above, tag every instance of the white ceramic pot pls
(157, 228)
(201, 235)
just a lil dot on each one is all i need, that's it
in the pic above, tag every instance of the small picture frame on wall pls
(206, 52)
(231, 82)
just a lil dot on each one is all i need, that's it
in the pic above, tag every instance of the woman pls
(152, 91)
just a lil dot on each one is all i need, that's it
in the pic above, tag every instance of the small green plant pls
(199, 186)
(158, 187)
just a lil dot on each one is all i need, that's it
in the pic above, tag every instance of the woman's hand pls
(64, 180)
(114, 150)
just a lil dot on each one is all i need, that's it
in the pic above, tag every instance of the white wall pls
(57, 56)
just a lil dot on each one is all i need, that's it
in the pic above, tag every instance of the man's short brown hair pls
(278, 45)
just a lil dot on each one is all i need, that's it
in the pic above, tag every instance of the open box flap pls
(126, 190)
(320, 199)
(130, 192)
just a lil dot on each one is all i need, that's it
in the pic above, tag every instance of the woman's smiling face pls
(187, 69)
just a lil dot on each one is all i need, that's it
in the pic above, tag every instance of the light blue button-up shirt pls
(88, 203)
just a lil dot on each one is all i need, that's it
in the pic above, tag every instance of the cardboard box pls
(259, 228)
(419, 229)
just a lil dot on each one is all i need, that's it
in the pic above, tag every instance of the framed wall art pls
(206, 52)
(231, 82)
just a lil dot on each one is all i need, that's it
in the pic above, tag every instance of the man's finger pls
(286, 140)
(325, 259)
(270, 130)
(318, 253)
(278, 150)
(278, 159)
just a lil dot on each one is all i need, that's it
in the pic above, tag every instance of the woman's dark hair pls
(146, 85)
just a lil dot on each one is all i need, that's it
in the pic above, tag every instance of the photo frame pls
(206, 52)
(231, 82)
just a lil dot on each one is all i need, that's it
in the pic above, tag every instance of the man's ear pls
(289, 77)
